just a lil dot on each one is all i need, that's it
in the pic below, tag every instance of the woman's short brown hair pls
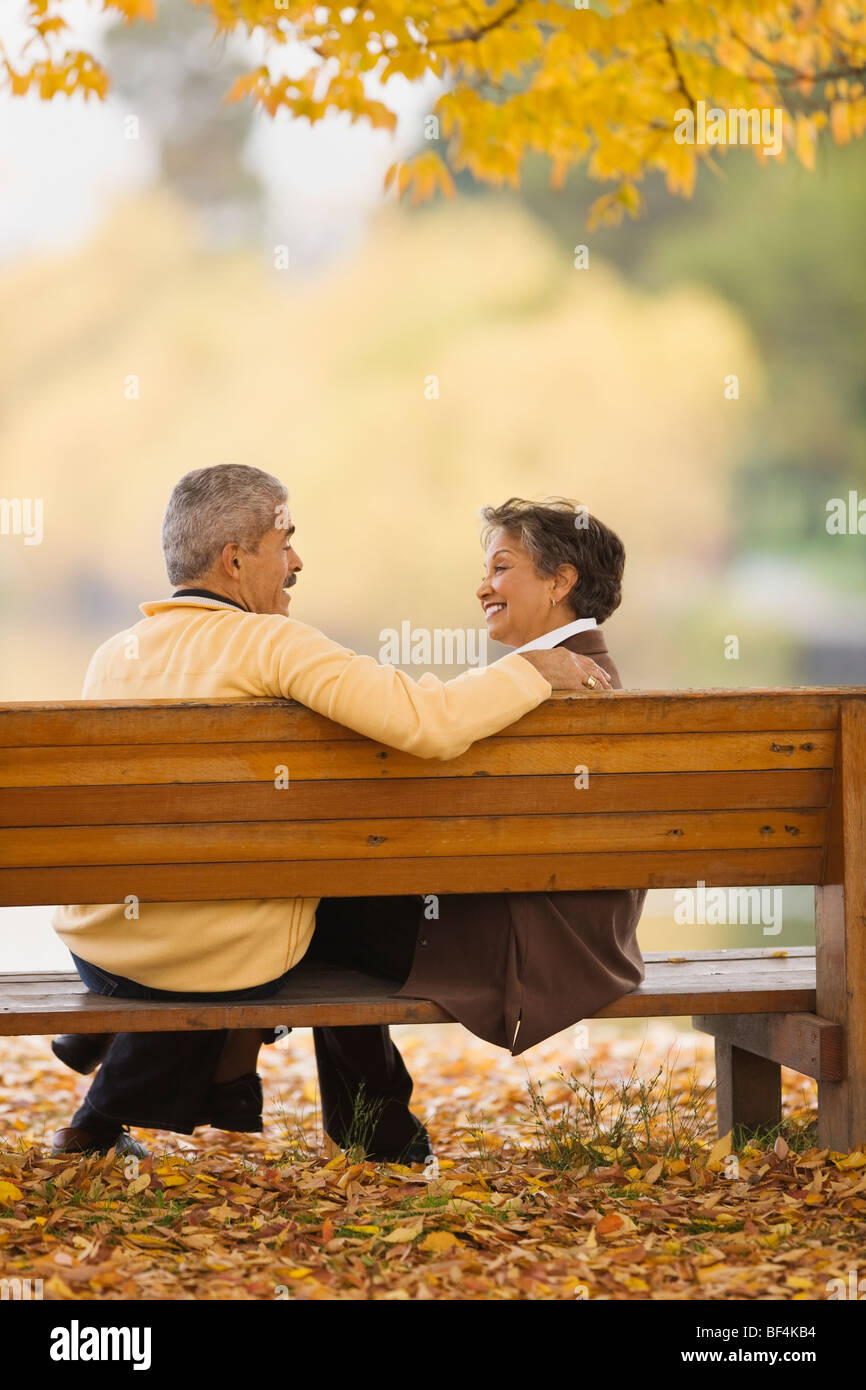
(560, 532)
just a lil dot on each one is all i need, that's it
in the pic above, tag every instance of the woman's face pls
(517, 602)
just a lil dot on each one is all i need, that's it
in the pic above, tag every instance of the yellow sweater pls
(198, 648)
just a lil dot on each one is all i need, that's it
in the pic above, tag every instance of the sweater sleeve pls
(428, 717)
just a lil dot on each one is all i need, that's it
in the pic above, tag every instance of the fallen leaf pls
(439, 1241)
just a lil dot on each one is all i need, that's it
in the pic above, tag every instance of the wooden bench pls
(176, 801)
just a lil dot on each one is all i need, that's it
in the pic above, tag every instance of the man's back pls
(208, 648)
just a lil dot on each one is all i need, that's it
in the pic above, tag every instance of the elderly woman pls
(514, 968)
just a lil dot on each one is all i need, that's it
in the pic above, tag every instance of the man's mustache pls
(291, 581)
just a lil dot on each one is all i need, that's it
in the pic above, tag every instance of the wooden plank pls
(804, 1042)
(58, 723)
(322, 995)
(840, 930)
(722, 955)
(525, 873)
(407, 837)
(783, 789)
(499, 756)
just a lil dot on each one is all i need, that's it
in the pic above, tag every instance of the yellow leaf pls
(174, 1181)
(403, 1233)
(840, 122)
(138, 1185)
(439, 1241)
(56, 1286)
(804, 141)
(720, 1148)
(364, 1230)
(9, 1193)
(855, 1160)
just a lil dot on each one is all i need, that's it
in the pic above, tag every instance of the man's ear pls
(229, 559)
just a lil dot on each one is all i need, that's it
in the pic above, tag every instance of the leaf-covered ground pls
(610, 1187)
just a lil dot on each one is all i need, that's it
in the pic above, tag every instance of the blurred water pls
(28, 941)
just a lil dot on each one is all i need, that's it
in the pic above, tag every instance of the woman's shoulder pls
(592, 642)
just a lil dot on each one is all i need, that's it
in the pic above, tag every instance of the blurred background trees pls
(605, 383)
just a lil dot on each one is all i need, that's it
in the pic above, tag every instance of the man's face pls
(263, 578)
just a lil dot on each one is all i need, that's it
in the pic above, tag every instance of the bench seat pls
(717, 982)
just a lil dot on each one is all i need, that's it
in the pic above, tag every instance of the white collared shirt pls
(559, 634)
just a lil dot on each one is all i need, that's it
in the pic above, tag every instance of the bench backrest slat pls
(179, 801)
(82, 722)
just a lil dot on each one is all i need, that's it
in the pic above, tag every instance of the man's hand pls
(567, 671)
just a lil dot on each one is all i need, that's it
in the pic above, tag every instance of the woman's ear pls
(566, 581)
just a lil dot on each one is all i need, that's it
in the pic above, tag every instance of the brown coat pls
(540, 960)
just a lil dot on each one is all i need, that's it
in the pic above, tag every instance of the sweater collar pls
(190, 598)
(208, 593)
(559, 634)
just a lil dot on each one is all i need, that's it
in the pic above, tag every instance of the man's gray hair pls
(209, 508)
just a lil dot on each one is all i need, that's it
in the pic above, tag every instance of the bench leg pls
(840, 937)
(842, 1104)
(748, 1089)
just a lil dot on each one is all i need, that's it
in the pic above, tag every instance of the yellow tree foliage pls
(627, 87)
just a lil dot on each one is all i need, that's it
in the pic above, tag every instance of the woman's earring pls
(553, 601)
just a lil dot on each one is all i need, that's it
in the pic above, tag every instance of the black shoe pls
(418, 1150)
(235, 1105)
(82, 1051)
(74, 1140)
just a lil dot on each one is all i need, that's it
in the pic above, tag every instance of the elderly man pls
(226, 632)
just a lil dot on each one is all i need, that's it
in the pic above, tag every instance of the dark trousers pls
(155, 1080)
(159, 1080)
(363, 1081)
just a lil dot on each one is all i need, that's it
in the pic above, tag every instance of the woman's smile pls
(493, 608)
